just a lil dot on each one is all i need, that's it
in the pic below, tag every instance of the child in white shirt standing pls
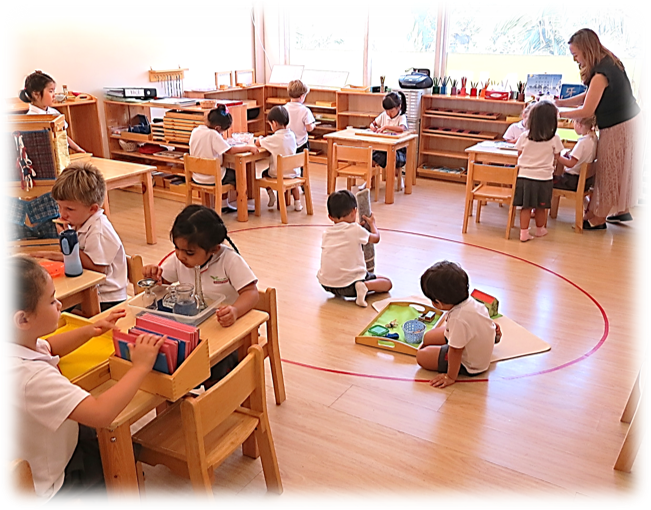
(394, 120)
(343, 269)
(585, 151)
(281, 143)
(301, 120)
(538, 150)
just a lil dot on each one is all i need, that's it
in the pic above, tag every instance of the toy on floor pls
(364, 209)
(491, 302)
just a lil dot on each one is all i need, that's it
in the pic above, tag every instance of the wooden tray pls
(463, 113)
(402, 311)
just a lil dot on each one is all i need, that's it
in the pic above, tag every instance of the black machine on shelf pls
(417, 79)
(132, 92)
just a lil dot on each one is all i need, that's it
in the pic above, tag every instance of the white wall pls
(91, 45)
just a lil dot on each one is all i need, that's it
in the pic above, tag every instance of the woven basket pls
(128, 146)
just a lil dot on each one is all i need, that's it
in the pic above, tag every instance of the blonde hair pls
(588, 43)
(589, 122)
(296, 88)
(80, 183)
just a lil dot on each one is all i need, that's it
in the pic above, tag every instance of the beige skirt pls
(618, 177)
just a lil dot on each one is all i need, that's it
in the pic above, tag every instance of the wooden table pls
(116, 449)
(244, 165)
(492, 153)
(359, 138)
(120, 174)
(79, 290)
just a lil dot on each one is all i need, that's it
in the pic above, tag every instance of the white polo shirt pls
(43, 400)
(585, 151)
(99, 240)
(207, 143)
(299, 117)
(281, 143)
(469, 327)
(384, 120)
(537, 158)
(514, 131)
(225, 273)
(35, 110)
(342, 258)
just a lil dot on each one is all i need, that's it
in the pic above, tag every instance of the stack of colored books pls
(181, 340)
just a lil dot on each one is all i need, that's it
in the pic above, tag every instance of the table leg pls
(118, 461)
(148, 203)
(410, 176)
(90, 302)
(107, 207)
(241, 187)
(330, 170)
(391, 175)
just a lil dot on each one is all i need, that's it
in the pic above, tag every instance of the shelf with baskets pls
(451, 124)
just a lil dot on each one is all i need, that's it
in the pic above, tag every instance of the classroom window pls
(401, 36)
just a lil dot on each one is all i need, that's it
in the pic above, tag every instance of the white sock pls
(541, 231)
(298, 205)
(272, 198)
(525, 235)
(361, 290)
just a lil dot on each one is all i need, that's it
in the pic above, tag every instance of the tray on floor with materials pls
(399, 327)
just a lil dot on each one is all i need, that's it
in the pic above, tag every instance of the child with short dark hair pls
(56, 419)
(393, 120)
(281, 143)
(80, 191)
(538, 151)
(463, 344)
(343, 269)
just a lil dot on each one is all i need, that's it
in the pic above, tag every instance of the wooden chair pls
(495, 184)
(281, 185)
(18, 486)
(134, 272)
(632, 414)
(356, 163)
(270, 345)
(587, 170)
(196, 434)
(209, 167)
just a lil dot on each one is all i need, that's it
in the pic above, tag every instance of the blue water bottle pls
(70, 248)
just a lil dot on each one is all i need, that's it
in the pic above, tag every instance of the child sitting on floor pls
(343, 270)
(80, 191)
(55, 418)
(584, 151)
(463, 344)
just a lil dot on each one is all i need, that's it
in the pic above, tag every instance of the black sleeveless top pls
(617, 103)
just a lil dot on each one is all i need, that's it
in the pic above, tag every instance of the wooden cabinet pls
(357, 109)
(322, 102)
(82, 117)
(451, 124)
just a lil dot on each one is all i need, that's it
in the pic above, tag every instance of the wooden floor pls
(543, 424)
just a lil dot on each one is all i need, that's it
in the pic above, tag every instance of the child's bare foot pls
(361, 290)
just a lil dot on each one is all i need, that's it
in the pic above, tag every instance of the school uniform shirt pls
(99, 240)
(537, 158)
(281, 143)
(35, 110)
(514, 131)
(342, 258)
(299, 117)
(225, 273)
(470, 328)
(43, 399)
(207, 143)
(384, 120)
(585, 151)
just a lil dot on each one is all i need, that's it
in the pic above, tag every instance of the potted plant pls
(453, 87)
(437, 81)
(473, 89)
(444, 85)
(463, 86)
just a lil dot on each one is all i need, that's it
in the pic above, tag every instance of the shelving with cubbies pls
(323, 104)
(357, 109)
(451, 124)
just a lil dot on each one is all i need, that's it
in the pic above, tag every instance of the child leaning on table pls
(281, 143)
(80, 191)
(392, 120)
(198, 233)
(55, 418)
(343, 269)
(463, 344)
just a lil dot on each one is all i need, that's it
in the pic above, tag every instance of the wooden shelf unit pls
(357, 109)
(82, 116)
(447, 149)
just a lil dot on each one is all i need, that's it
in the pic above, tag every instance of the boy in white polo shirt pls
(281, 143)
(343, 269)
(301, 120)
(464, 343)
(79, 191)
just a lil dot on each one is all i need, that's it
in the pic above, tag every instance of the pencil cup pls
(414, 331)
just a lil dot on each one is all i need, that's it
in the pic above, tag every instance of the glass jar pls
(186, 300)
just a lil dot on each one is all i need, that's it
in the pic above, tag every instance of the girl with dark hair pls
(392, 120)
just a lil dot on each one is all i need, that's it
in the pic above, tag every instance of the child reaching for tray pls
(463, 344)
(55, 418)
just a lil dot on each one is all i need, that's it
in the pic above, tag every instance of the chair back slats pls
(493, 174)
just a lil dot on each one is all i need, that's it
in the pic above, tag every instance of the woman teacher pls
(610, 99)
